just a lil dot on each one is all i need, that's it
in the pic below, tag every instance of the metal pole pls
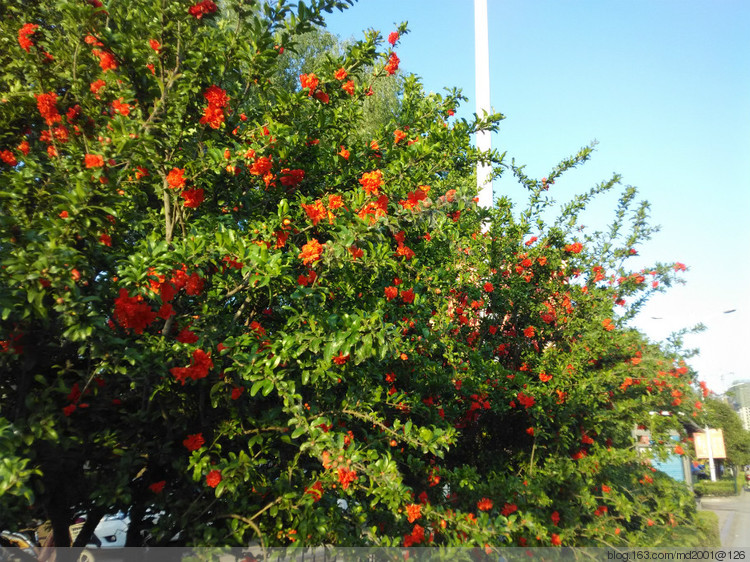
(710, 455)
(482, 77)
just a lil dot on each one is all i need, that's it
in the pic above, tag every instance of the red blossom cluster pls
(392, 65)
(8, 157)
(415, 537)
(198, 368)
(24, 34)
(203, 8)
(213, 478)
(374, 210)
(213, 113)
(402, 249)
(193, 197)
(315, 491)
(47, 105)
(131, 313)
(193, 442)
(485, 504)
(106, 60)
(414, 198)
(346, 476)
(371, 182)
(311, 251)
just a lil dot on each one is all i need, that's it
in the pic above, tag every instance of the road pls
(734, 518)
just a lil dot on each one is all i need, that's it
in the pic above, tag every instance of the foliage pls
(222, 301)
(718, 488)
(719, 414)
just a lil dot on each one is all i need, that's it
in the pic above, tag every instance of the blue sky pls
(663, 86)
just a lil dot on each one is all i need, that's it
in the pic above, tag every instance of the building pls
(738, 396)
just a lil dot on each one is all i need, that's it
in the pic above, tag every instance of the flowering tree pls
(221, 302)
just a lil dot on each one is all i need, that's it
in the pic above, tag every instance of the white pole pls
(710, 455)
(482, 73)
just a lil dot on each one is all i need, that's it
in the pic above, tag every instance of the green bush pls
(718, 488)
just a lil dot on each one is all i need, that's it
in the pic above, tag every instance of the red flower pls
(23, 35)
(555, 517)
(214, 477)
(315, 212)
(416, 536)
(8, 157)
(96, 86)
(348, 87)
(679, 450)
(193, 197)
(316, 491)
(356, 252)
(322, 96)
(308, 279)
(132, 313)
(204, 8)
(393, 37)
(405, 251)
(237, 392)
(64, 215)
(398, 136)
(198, 368)
(165, 311)
(485, 504)
(391, 293)
(556, 540)
(341, 359)
(574, 248)
(509, 508)
(186, 336)
(194, 284)
(544, 377)
(157, 487)
(175, 178)
(371, 181)
(525, 400)
(413, 512)
(309, 81)
(529, 332)
(216, 96)
(488, 287)
(340, 74)
(47, 105)
(413, 198)
(213, 116)
(346, 477)
(106, 60)
(311, 252)
(93, 161)
(291, 178)
(392, 65)
(120, 107)
(407, 296)
(154, 44)
(194, 441)
(261, 166)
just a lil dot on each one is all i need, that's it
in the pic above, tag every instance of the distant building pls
(739, 397)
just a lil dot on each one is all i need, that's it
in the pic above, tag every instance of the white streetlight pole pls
(711, 467)
(482, 73)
